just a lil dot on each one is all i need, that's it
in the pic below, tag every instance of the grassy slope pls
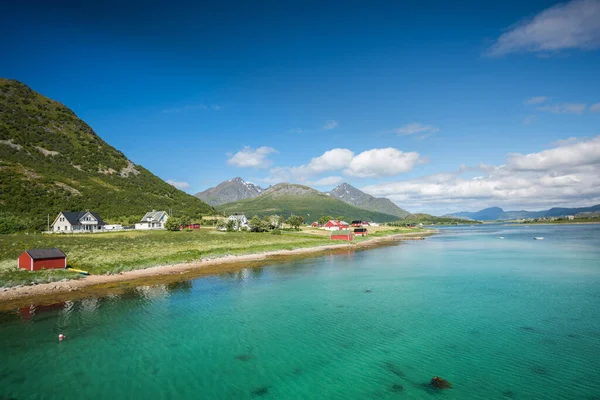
(83, 174)
(309, 207)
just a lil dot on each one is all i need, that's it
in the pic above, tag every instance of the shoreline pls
(95, 285)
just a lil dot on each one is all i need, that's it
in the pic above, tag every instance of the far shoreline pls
(98, 285)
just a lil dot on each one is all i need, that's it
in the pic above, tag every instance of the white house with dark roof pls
(153, 220)
(77, 221)
(240, 222)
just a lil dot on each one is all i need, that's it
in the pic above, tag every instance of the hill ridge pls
(52, 161)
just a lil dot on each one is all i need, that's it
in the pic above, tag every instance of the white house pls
(153, 220)
(77, 221)
(239, 222)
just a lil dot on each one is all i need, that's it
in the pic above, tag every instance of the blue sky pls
(428, 103)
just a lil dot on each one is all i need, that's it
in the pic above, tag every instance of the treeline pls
(427, 219)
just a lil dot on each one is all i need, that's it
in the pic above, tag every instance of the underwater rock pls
(440, 383)
(244, 357)
(368, 291)
(261, 391)
(509, 393)
(396, 387)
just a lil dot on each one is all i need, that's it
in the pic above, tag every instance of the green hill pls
(287, 199)
(51, 161)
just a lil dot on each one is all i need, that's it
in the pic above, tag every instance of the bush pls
(276, 232)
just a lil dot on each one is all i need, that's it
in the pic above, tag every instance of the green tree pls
(295, 221)
(173, 224)
(324, 219)
(340, 218)
(230, 225)
(257, 225)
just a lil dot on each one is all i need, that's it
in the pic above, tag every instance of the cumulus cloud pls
(252, 158)
(179, 185)
(368, 164)
(572, 25)
(330, 124)
(331, 160)
(564, 108)
(568, 174)
(381, 162)
(569, 155)
(415, 127)
(595, 108)
(327, 181)
(537, 100)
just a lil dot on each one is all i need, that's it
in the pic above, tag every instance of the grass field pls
(124, 251)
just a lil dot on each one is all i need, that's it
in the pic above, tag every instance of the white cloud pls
(567, 175)
(381, 162)
(530, 119)
(179, 185)
(595, 108)
(327, 181)
(330, 124)
(252, 158)
(415, 127)
(572, 25)
(368, 164)
(565, 142)
(537, 100)
(569, 155)
(564, 108)
(296, 130)
(331, 160)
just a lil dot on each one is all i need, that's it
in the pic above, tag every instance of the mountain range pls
(498, 214)
(351, 195)
(232, 190)
(287, 199)
(52, 161)
(236, 190)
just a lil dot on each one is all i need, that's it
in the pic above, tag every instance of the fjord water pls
(513, 318)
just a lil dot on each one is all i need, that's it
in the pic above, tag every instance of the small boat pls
(500, 237)
(538, 238)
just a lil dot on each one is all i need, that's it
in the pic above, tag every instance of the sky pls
(439, 106)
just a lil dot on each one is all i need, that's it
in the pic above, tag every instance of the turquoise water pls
(513, 318)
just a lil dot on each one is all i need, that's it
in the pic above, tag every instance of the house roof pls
(340, 232)
(74, 216)
(42, 254)
(237, 216)
(153, 216)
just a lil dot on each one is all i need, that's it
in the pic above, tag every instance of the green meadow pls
(124, 251)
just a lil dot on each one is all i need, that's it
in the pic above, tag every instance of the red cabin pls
(342, 235)
(37, 259)
(360, 231)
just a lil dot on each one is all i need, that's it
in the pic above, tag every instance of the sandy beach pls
(95, 285)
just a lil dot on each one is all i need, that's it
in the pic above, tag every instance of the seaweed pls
(261, 391)
(393, 368)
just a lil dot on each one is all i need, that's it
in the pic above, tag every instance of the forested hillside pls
(51, 161)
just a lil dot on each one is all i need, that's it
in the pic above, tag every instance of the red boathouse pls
(360, 231)
(342, 235)
(37, 259)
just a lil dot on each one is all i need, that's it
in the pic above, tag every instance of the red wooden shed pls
(342, 235)
(360, 231)
(37, 259)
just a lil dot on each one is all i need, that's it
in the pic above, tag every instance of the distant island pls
(552, 214)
